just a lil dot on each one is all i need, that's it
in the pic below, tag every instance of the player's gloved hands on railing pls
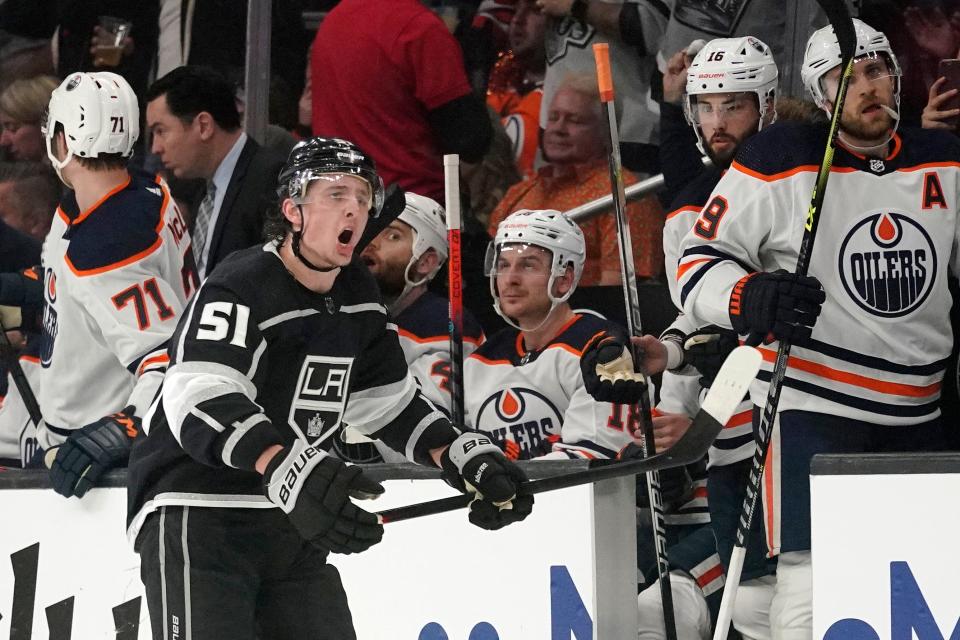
(314, 490)
(474, 464)
(21, 299)
(776, 306)
(609, 373)
(91, 450)
(707, 349)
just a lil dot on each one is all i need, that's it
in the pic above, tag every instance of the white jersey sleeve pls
(18, 433)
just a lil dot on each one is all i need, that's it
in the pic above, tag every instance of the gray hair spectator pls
(22, 104)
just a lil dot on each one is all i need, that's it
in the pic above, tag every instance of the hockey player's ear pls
(291, 212)
(563, 283)
(427, 263)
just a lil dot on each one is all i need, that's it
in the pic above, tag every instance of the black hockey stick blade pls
(394, 202)
(838, 15)
(728, 390)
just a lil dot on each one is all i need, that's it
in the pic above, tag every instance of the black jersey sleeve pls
(386, 402)
(210, 390)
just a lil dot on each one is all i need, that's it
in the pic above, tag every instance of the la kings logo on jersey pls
(888, 264)
(567, 33)
(320, 397)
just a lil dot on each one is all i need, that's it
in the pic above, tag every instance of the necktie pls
(201, 230)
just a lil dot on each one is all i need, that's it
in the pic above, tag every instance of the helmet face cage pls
(823, 54)
(731, 65)
(315, 157)
(545, 229)
(99, 114)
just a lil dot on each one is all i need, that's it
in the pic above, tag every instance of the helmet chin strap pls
(295, 245)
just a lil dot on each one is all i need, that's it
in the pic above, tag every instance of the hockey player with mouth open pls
(234, 501)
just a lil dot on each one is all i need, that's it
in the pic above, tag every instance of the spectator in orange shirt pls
(516, 84)
(575, 148)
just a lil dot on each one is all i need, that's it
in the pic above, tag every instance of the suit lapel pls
(230, 197)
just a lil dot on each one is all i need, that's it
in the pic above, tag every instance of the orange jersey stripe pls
(86, 214)
(710, 575)
(857, 380)
(740, 419)
(682, 210)
(164, 358)
(116, 265)
(682, 269)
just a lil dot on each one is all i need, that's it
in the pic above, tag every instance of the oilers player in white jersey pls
(869, 325)
(524, 385)
(117, 271)
(730, 90)
(404, 258)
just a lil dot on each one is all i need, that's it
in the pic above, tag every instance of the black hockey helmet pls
(316, 156)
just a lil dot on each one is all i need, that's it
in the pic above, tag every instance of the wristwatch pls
(578, 10)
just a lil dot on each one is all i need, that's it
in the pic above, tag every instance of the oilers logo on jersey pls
(887, 264)
(49, 318)
(320, 397)
(523, 415)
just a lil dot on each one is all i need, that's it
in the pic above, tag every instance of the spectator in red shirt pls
(390, 77)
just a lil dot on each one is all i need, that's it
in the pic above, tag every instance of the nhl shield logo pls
(877, 166)
(320, 397)
(888, 264)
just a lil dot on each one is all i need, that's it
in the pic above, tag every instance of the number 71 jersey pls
(116, 279)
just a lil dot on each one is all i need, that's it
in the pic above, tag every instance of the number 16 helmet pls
(731, 65)
(99, 115)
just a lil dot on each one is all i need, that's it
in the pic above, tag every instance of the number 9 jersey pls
(116, 279)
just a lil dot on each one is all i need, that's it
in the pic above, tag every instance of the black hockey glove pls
(91, 450)
(608, 370)
(21, 293)
(706, 350)
(474, 464)
(776, 306)
(314, 490)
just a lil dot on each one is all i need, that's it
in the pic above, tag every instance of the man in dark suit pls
(193, 117)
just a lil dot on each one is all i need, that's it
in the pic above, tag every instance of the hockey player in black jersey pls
(234, 502)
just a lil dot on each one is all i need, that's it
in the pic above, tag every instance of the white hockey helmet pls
(545, 228)
(429, 223)
(731, 65)
(99, 114)
(823, 54)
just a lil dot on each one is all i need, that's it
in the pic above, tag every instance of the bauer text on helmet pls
(547, 229)
(730, 93)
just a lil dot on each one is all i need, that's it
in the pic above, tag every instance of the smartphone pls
(950, 69)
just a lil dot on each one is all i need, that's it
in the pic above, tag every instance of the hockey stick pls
(20, 378)
(732, 382)
(631, 299)
(451, 184)
(839, 18)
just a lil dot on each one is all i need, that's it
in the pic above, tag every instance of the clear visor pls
(517, 257)
(873, 69)
(712, 107)
(332, 189)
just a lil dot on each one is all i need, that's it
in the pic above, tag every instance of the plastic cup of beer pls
(109, 50)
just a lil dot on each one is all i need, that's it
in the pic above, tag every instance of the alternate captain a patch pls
(320, 397)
